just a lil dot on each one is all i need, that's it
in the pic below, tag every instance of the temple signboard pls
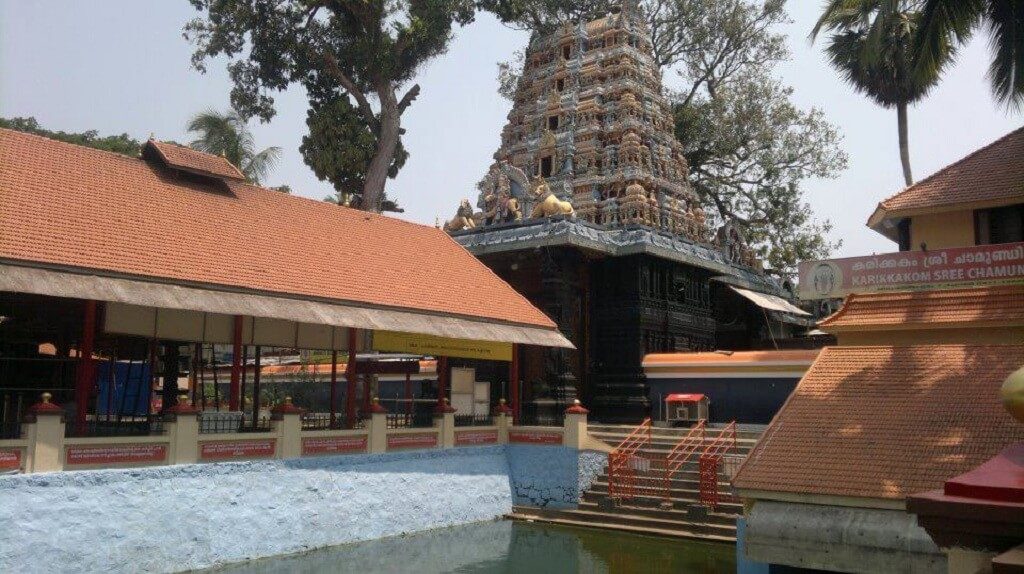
(10, 459)
(333, 445)
(474, 437)
(418, 344)
(116, 453)
(535, 437)
(228, 449)
(999, 264)
(412, 440)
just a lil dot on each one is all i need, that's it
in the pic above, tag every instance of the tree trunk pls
(387, 143)
(901, 119)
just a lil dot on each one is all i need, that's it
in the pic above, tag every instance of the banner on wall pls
(395, 342)
(1000, 264)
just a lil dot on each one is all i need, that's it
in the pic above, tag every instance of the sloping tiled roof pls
(728, 358)
(1002, 304)
(76, 207)
(992, 173)
(188, 159)
(887, 422)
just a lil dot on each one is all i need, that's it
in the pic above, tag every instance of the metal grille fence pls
(474, 420)
(115, 426)
(414, 420)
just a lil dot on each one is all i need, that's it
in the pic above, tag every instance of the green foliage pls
(122, 144)
(339, 148)
(870, 46)
(942, 20)
(227, 134)
(749, 149)
(356, 50)
(543, 16)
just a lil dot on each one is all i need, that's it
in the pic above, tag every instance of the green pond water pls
(507, 547)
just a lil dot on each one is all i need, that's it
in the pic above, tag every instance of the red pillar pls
(235, 394)
(442, 381)
(334, 387)
(513, 382)
(83, 374)
(350, 377)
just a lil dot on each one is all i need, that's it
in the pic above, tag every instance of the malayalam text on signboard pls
(333, 444)
(237, 449)
(465, 438)
(933, 269)
(531, 437)
(440, 346)
(118, 453)
(419, 440)
(10, 459)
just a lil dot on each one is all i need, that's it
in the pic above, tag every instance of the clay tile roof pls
(190, 160)
(887, 422)
(801, 356)
(990, 174)
(947, 307)
(76, 207)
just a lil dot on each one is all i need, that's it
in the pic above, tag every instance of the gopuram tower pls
(587, 211)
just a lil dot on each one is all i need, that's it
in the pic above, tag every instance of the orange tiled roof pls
(992, 173)
(887, 422)
(188, 159)
(72, 206)
(1002, 304)
(744, 357)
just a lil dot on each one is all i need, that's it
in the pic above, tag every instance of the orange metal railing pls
(622, 465)
(710, 459)
(680, 454)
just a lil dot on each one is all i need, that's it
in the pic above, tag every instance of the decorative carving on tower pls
(590, 120)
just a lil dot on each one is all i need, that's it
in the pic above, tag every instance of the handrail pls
(722, 443)
(619, 475)
(635, 439)
(709, 460)
(686, 447)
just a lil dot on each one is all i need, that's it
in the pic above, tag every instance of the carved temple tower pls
(587, 211)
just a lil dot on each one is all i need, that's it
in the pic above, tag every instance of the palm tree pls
(227, 134)
(870, 45)
(1004, 19)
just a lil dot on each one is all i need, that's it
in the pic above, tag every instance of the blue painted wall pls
(196, 516)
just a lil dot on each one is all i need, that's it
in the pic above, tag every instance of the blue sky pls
(122, 66)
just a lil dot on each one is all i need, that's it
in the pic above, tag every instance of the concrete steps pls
(623, 522)
(681, 516)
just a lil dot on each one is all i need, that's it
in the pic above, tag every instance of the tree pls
(340, 147)
(871, 47)
(942, 20)
(227, 134)
(358, 50)
(122, 144)
(749, 148)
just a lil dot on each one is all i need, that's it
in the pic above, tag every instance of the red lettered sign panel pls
(333, 444)
(237, 449)
(464, 438)
(532, 437)
(10, 460)
(419, 440)
(115, 453)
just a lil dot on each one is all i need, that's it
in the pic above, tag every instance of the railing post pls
(504, 420)
(574, 433)
(44, 429)
(287, 421)
(377, 426)
(444, 421)
(181, 422)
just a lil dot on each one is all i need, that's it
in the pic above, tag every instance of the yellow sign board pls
(396, 342)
